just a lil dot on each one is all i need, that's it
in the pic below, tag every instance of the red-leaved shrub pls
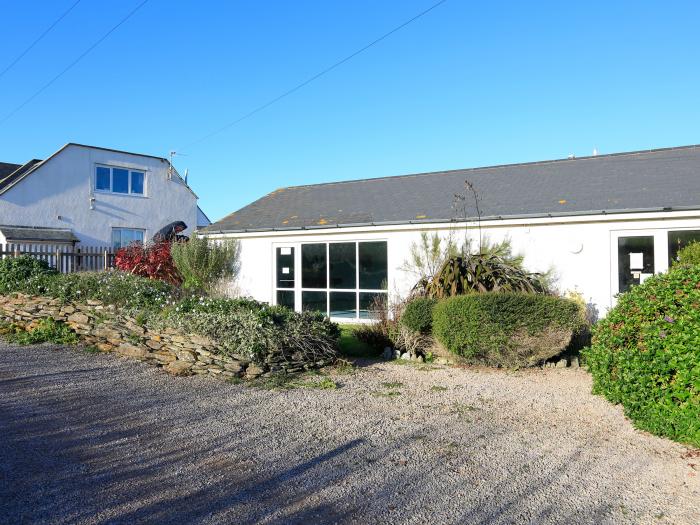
(153, 261)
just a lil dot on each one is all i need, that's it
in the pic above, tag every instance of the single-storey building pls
(601, 223)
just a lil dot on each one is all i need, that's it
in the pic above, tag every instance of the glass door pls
(635, 260)
(285, 276)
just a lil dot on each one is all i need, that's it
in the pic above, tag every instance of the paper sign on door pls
(636, 261)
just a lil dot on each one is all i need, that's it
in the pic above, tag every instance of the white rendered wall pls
(582, 251)
(62, 187)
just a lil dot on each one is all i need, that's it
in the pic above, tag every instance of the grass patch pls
(351, 346)
(284, 381)
(438, 388)
(91, 350)
(390, 394)
(462, 410)
(392, 384)
(48, 330)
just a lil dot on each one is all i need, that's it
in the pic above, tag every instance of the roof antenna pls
(171, 168)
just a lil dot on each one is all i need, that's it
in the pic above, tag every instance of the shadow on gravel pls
(124, 445)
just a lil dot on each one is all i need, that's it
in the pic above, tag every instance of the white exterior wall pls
(582, 251)
(63, 186)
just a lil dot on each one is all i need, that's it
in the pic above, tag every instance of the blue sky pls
(469, 84)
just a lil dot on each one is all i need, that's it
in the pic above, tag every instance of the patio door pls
(285, 276)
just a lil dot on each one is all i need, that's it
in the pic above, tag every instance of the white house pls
(602, 223)
(95, 196)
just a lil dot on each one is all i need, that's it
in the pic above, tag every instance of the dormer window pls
(119, 180)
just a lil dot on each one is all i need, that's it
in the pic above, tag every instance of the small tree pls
(203, 262)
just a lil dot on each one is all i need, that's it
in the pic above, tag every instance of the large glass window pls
(343, 265)
(313, 266)
(119, 180)
(314, 301)
(373, 266)
(678, 240)
(343, 279)
(123, 237)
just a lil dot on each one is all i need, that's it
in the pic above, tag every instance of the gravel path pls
(101, 439)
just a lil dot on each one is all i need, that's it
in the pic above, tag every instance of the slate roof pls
(36, 234)
(10, 178)
(650, 180)
(6, 168)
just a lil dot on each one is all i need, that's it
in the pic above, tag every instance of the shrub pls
(418, 315)
(23, 272)
(646, 354)
(48, 330)
(252, 330)
(506, 329)
(202, 262)
(689, 254)
(153, 261)
(480, 273)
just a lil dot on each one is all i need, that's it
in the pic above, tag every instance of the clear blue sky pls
(467, 85)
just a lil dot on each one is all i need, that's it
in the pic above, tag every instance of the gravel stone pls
(99, 438)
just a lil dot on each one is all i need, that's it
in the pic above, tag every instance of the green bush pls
(33, 277)
(252, 330)
(203, 262)
(418, 315)
(23, 273)
(689, 254)
(506, 329)
(48, 330)
(646, 354)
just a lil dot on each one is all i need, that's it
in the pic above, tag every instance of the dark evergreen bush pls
(23, 273)
(506, 329)
(418, 315)
(646, 354)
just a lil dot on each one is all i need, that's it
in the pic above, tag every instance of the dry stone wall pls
(103, 327)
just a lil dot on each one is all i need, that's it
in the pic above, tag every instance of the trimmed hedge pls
(418, 315)
(646, 354)
(506, 329)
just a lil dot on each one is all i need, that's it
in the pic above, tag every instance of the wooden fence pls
(66, 259)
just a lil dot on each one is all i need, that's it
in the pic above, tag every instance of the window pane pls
(137, 179)
(635, 260)
(342, 265)
(137, 236)
(285, 267)
(314, 301)
(313, 265)
(370, 303)
(117, 238)
(102, 179)
(120, 180)
(285, 298)
(678, 240)
(373, 266)
(343, 304)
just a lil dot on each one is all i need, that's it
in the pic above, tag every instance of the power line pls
(311, 79)
(41, 36)
(67, 68)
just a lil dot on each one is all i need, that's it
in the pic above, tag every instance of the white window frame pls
(298, 289)
(129, 170)
(123, 228)
(660, 236)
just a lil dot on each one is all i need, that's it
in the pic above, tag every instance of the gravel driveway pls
(101, 439)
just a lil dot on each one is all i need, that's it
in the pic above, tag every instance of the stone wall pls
(103, 327)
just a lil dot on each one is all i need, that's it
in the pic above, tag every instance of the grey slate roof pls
(6, 168)
(10, 178)
(36, 234)
(647, 180)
